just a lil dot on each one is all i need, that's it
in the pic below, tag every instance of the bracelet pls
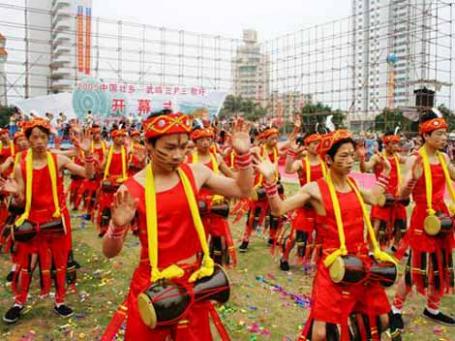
(271, 189)
(243, 161)
(410, 185)
(89, 159)
(383, 181)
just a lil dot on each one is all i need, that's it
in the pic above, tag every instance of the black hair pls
(28, 132)
(333, 150)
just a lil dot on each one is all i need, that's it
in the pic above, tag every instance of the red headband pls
(312, 138)
(175, 123)
(118, 132)
(36, 122)
(269, 132)
(391, 139)
(328, 140)
(431, 125)
(95, 130)
(202, 132)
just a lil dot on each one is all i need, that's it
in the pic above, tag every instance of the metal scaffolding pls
(353, 64)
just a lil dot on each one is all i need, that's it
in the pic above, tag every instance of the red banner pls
(80, 39)
(88, 39)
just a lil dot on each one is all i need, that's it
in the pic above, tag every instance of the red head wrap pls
(391, 139)
(312, 138)
(269, 132)
(167, 124)
(431, 125)
(118, 132)
(95, 130)
(135, 133)
(202, 132)
(36, 122)
(328, 140)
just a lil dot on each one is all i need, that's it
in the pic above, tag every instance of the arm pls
(85, 172)
(375, 195)
(450, 167)
(413, 171)
(239, 187)
(367, 166)
(279, 206)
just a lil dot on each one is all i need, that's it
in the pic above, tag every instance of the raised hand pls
(265, 167)
(361, 152)
(86, 140)
(241, 137)
(123, 208)
(384, 162)
(9, 185)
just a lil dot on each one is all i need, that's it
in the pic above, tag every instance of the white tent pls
(51, 103)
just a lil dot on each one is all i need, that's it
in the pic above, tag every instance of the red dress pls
(332, 302)
(177, 240)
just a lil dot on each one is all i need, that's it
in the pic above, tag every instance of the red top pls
(177, 236)
(392, 188)
(115, 169)
(42, 206)
(315, 172)
(352, 216)
(204, 192)
(272, 159)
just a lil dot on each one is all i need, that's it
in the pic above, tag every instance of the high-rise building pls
(251, 70)
(287, 104)
(389, 54)
(59, 45)
(3, 84)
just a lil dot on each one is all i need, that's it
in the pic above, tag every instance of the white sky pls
(226, 17)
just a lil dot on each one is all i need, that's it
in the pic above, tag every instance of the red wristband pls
(243, 161)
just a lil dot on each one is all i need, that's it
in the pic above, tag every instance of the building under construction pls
(379, 57)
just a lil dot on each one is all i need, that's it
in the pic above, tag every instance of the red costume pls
(332, 302)
(177, 240)
(303, 220)
(259, 208)
(217, 227)
(51, 248)
(135, 162)
(75, 196)
(393, 216)
(106, 196)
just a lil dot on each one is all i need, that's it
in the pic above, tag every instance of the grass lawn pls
(256, 311)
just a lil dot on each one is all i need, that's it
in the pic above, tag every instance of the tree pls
(237, 105)
(317, 113)
(5, 114)
(448, 115)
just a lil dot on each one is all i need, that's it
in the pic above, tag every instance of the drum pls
(388, 200)
(384, 272)
(347, 269)
(109, 186)
(76, 177)
(24, 232)
(165, 302)
(221, 209)
(29, 230)
(436, 224)
(53, 227)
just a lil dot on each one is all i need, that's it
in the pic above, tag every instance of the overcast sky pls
(226, 17)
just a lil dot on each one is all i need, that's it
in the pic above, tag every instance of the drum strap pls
(51, 164)
(173, 271)
(308, 168)
(378, 254)
(429, 181)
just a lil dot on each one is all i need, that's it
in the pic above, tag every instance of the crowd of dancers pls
(175, 181)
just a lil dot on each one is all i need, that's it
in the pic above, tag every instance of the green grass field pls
(256, 311)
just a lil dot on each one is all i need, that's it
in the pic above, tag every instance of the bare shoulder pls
(200, 172)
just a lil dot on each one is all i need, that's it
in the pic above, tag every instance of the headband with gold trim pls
(167, 124)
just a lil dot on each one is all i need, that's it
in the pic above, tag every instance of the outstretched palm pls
(9, 185)
(265, 167)
(240, 137)
(123, 208)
